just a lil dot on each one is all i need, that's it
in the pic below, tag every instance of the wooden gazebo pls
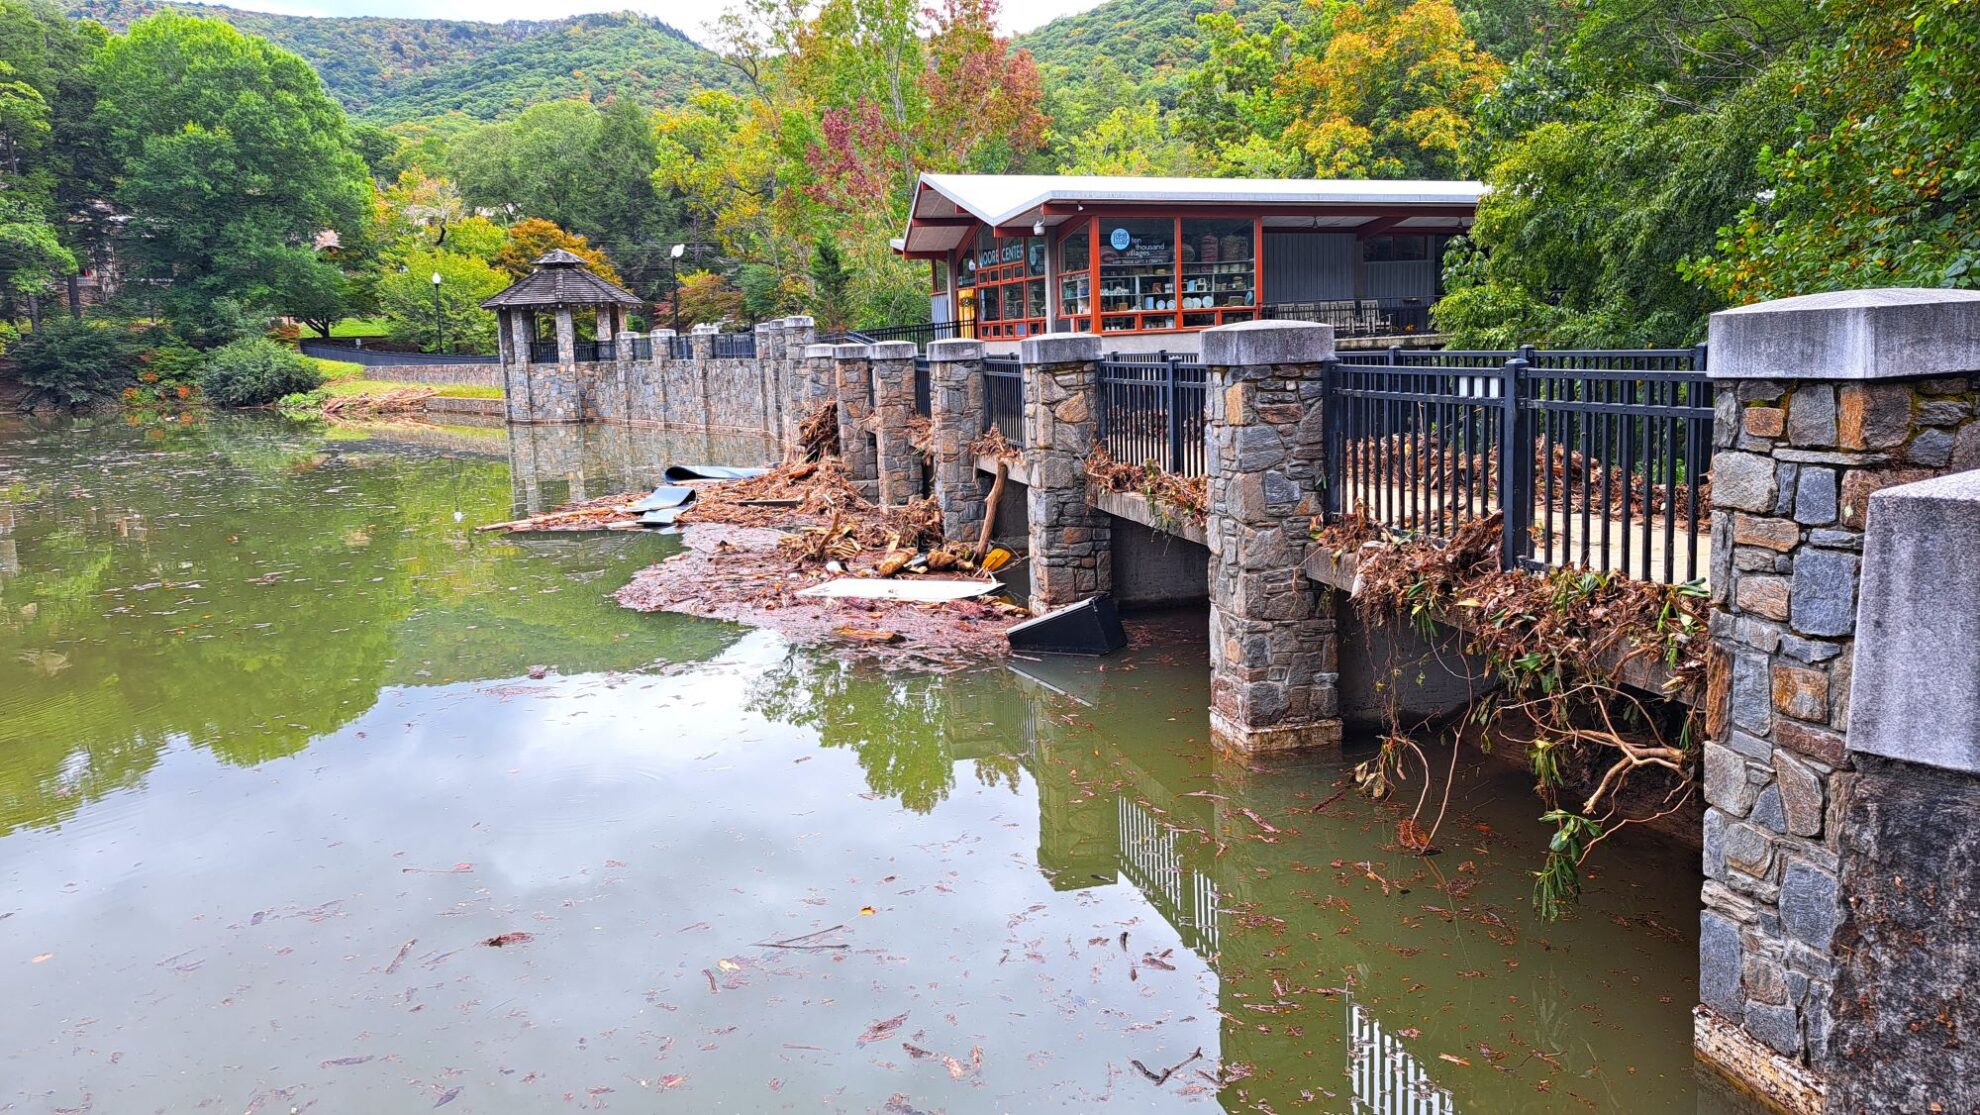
(561, 284)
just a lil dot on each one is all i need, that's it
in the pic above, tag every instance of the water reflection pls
(553, 465)
(276, 751)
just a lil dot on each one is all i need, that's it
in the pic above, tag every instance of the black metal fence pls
(923, 387)
(592, 352)
(921, 333)
(381, 358)
(1597, 459)
(543, 352)
(1003, 397)
(735, 344)
(642, 347)
(680, 346)
(1360, 317)
(1152, 411)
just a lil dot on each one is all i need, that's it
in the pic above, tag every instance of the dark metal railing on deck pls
(1151, 411)
(1360, 317)
(1597, 459)
(735, 344)
(1003, 397)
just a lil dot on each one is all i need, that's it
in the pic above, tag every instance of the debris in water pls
(504, 940)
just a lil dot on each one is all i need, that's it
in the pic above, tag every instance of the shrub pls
(72, 362)
(256, 371)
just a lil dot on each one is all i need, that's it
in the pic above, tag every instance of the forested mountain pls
(387, 70)
(1144, 39)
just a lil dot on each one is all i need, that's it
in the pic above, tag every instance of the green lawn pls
(355, 327)
(343, 378)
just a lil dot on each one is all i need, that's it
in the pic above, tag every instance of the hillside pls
(1149, 41)
(386, 70)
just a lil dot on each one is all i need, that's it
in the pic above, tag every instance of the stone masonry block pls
(1256, 343)
(1849, 335)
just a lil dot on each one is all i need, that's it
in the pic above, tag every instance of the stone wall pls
(739, 395)
(1822, 402)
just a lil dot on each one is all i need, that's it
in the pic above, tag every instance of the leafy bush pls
(303, 404)
(74, 362)
(256, 371)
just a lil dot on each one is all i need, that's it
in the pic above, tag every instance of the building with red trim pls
(1015, 255)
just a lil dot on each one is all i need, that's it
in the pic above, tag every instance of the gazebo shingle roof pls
(561, 279)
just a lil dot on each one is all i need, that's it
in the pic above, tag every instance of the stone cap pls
(705, 329)
(1885, 333)
(763, 327)
(955, 348)
(852, 352)
(820, 352)
(659, 333)
(1060, 348)
(894, 350)
(1268, 342)
(799, 321)
(1914, 691)
(626, 335)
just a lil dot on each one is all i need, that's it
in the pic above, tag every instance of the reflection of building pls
(1386, 1079)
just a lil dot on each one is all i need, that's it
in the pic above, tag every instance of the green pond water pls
(282, 741)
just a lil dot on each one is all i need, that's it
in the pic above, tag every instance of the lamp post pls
(674, 282)
(439, 327)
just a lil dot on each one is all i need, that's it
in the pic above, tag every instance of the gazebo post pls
(566, 337)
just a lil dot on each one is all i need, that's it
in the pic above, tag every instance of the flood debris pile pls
(1560, 643)
(752, 546)
(1184, 499)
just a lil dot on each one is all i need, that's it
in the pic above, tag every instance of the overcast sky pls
(691, 16)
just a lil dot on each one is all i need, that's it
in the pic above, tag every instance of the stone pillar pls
(955, 379)
(1822, 400)
(703, 338)
(566, 337)
(628, 376)
(1071, 542)
(799, 335)
(517, 389)
(769, 371)
(852, 369)
(1274, 665)
(893, 417)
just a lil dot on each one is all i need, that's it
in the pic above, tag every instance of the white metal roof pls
(1004, 199)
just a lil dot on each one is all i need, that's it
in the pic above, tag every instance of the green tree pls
(407, 301)
(830, 284)
(1878, 180)
(1138, 139)
(231, 160)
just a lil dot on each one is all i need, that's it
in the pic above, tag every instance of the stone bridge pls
(1842, 765)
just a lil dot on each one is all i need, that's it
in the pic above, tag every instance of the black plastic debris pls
(1091, 627)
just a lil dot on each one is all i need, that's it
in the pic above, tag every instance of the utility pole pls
(674, 283)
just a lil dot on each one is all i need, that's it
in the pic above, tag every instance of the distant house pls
(1015, 255)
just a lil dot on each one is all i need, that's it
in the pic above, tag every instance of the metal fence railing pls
(592, 352)
(543, 352)
(735, 344)
(642, 347)
(680, 346)
(921, 333)
(1597, 459)
(1003, 397)
(1360, 317)
(924, 388)
(382, 358)
(1151, 411)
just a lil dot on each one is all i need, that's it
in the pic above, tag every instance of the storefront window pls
(1076, 279)
(1219, 272)
(1137, 274)
(1011, 282)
